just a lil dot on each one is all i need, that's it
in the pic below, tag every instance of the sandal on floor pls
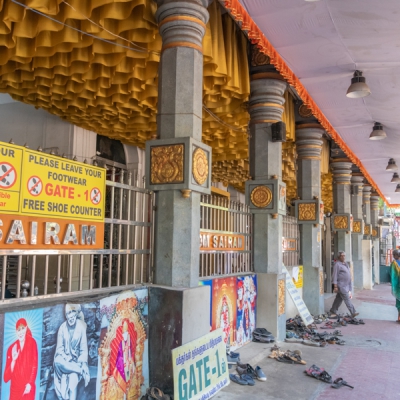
(318, 373)
(156, 394)
(339, 382)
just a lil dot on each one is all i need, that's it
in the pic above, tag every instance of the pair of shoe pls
(247, 375)
(263, 336)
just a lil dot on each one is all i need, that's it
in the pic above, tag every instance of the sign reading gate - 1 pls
(200, 367)
(49, 202)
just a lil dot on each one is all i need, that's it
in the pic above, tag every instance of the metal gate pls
(225, 237)
(290, 242)
(126, 258)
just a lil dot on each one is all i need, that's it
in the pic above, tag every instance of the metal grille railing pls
(126, 258)
(290, 241)
(225, 221)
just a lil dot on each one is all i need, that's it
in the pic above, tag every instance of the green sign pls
(200, 367)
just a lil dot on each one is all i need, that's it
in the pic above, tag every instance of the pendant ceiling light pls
(391, 165)
(377, 132)
(397, 188)
(396, 178)
(358, 87)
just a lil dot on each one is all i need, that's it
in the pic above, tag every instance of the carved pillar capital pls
(266, 97)
(374, 201)
(366, 194)
(341, 169)
(309, 141)
(182, 23)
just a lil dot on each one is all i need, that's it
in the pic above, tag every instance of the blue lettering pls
(182, 385)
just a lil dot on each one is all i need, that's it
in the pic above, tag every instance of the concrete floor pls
(370, 360)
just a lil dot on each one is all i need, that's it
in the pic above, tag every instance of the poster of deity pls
(21, 355)
(246, 308)
(123, 371)
(208, 283)
(224, 308)
(69, 351)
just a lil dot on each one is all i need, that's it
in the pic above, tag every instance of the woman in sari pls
(395, 279)
(22, 364)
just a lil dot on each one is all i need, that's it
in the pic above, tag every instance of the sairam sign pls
(221, 241)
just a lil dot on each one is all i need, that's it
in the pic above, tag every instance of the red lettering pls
(59, 191)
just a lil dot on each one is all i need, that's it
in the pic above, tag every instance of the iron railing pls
(290, 241)
(126, 258)
(228, 227)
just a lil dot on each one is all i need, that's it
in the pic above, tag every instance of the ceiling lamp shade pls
(396, 178)
(377, 132)
(391, 165)
(397, 188)
(358, 87)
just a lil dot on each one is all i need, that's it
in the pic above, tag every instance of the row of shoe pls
(247, 375)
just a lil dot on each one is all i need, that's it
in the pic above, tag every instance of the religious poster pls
(224, 308)
(208, 283)
(21, 355)
(69, 351)
(246, 308)
(123, 371)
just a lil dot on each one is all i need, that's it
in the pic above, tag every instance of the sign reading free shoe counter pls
(49, 201)
(200, 367)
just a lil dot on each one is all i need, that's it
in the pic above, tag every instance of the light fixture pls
(396, 178)
(391, 165)
(397, 188)
(358, 87)
(377, 132)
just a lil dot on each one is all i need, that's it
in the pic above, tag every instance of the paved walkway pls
(370, 360)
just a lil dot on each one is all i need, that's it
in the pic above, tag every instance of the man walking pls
(342, 286)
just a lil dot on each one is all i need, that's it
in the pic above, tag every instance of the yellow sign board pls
(299, 281)
(10, 178)
(61, 188)
(200, 367)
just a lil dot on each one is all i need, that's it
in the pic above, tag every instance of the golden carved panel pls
(321, 283)
(200, 166)
(374, 232)
(166, 164)
(367, 230)
(261, 196)
(307, 212)
(357, 226)
(340, 222)
(281, 297)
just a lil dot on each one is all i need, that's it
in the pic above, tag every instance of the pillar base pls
(367, 264)
(375, 243)
(268, 304)
(358, 274)
(176, 317)
(312, 295)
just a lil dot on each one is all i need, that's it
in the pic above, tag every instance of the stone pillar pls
(182, 26)
(358, 227)
(178, 170)
(309, 145)
(374, 209)
(342, 206)
(266, 196)
(367, 243)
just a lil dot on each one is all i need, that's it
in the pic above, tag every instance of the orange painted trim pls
(182, 44)
(182, 18)
(256, 37)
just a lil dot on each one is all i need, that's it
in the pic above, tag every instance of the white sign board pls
(297, 300)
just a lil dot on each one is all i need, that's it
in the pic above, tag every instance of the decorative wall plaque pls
(304, 111)
(340, 222)
(166, 164)
(281, 297)
(374, 232)
(307, 212)
(261, 196)
(258, 58)
(321, 283)
(357, 226)
(367, 229)
(200, 166)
